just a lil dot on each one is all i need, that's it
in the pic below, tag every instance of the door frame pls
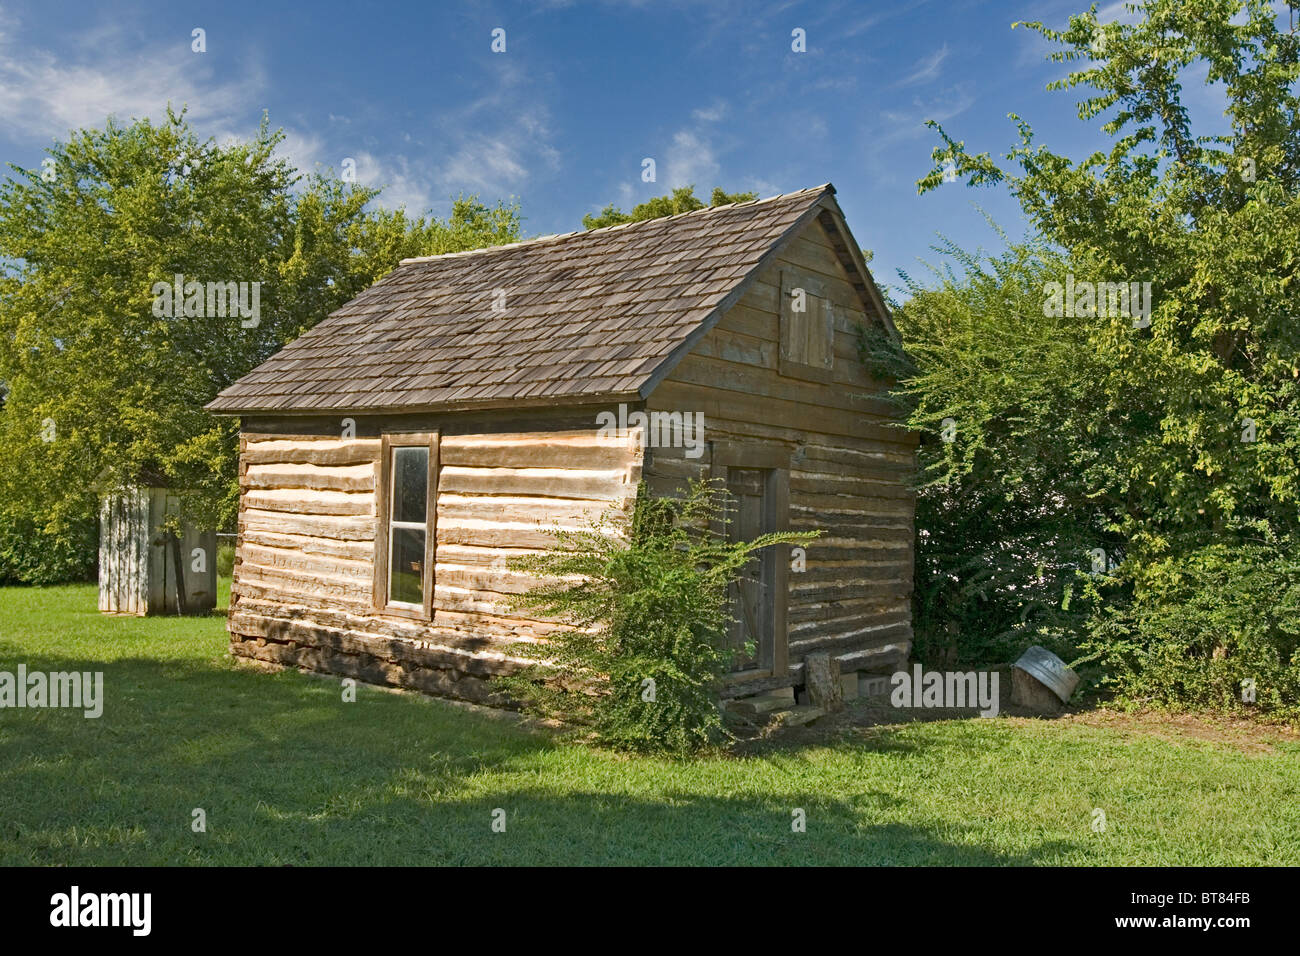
(775, 458)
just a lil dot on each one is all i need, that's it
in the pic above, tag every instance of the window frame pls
(384, 524)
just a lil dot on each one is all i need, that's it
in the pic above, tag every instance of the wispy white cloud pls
(493, 144)
(307, 152)
(909, 123)
(484, 161)
(499, 142)
(691, 155)
(847, 27)
(44, 95)
(926, 68)
(690, 158)
(710, 114)
(404, 185)
(891, 150)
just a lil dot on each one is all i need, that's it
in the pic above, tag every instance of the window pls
(406, 533)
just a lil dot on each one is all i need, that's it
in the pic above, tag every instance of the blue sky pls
(583, 93)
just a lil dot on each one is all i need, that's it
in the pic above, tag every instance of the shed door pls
(752, 596)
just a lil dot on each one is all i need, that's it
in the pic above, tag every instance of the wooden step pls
(797, 716)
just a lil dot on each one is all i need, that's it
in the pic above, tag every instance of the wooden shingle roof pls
(559, 319)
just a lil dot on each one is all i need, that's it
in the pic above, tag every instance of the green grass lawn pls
(288, 773)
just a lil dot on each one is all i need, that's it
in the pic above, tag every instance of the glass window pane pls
(410, 484)
(406, 566)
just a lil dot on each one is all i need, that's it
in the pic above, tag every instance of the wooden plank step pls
(798, 716)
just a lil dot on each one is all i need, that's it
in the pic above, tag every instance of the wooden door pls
(751, 635)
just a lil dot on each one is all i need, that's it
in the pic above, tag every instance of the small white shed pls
(144, 569)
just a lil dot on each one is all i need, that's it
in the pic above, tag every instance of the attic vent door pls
(751, 634)
(807, 327)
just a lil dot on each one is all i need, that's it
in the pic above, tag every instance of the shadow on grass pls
(285, 772)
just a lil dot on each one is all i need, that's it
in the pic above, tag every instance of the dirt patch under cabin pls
(1239, 734)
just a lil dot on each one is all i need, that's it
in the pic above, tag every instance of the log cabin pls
(397, 455)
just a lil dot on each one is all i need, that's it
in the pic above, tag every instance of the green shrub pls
(647, 605)
(225, 560)
(1202, 624)
(31, 553)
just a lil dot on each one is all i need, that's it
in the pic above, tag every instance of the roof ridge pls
(557, 237)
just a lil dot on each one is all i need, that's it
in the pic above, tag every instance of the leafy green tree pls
(105, 383)
(1174, 433)
(682, 199)
(647, 604)
(1003, 526)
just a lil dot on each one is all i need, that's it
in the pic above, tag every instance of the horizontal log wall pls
(302, 592)
(850, 465)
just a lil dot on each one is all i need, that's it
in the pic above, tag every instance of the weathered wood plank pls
(494, 660)
(518, 508)
(310, 477)
(338, 528)
(292, 560)
(318, 451)
(315, 589)
(583, 451)
(852, 640)
(808, 486)
(547, 482)
(297, 501)
(791, 418)
(485, 533)
(350, 550)
(814, 398)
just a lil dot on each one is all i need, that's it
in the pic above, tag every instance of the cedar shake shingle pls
(586, 314)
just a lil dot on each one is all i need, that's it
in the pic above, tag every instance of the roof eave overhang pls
(545, 401)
